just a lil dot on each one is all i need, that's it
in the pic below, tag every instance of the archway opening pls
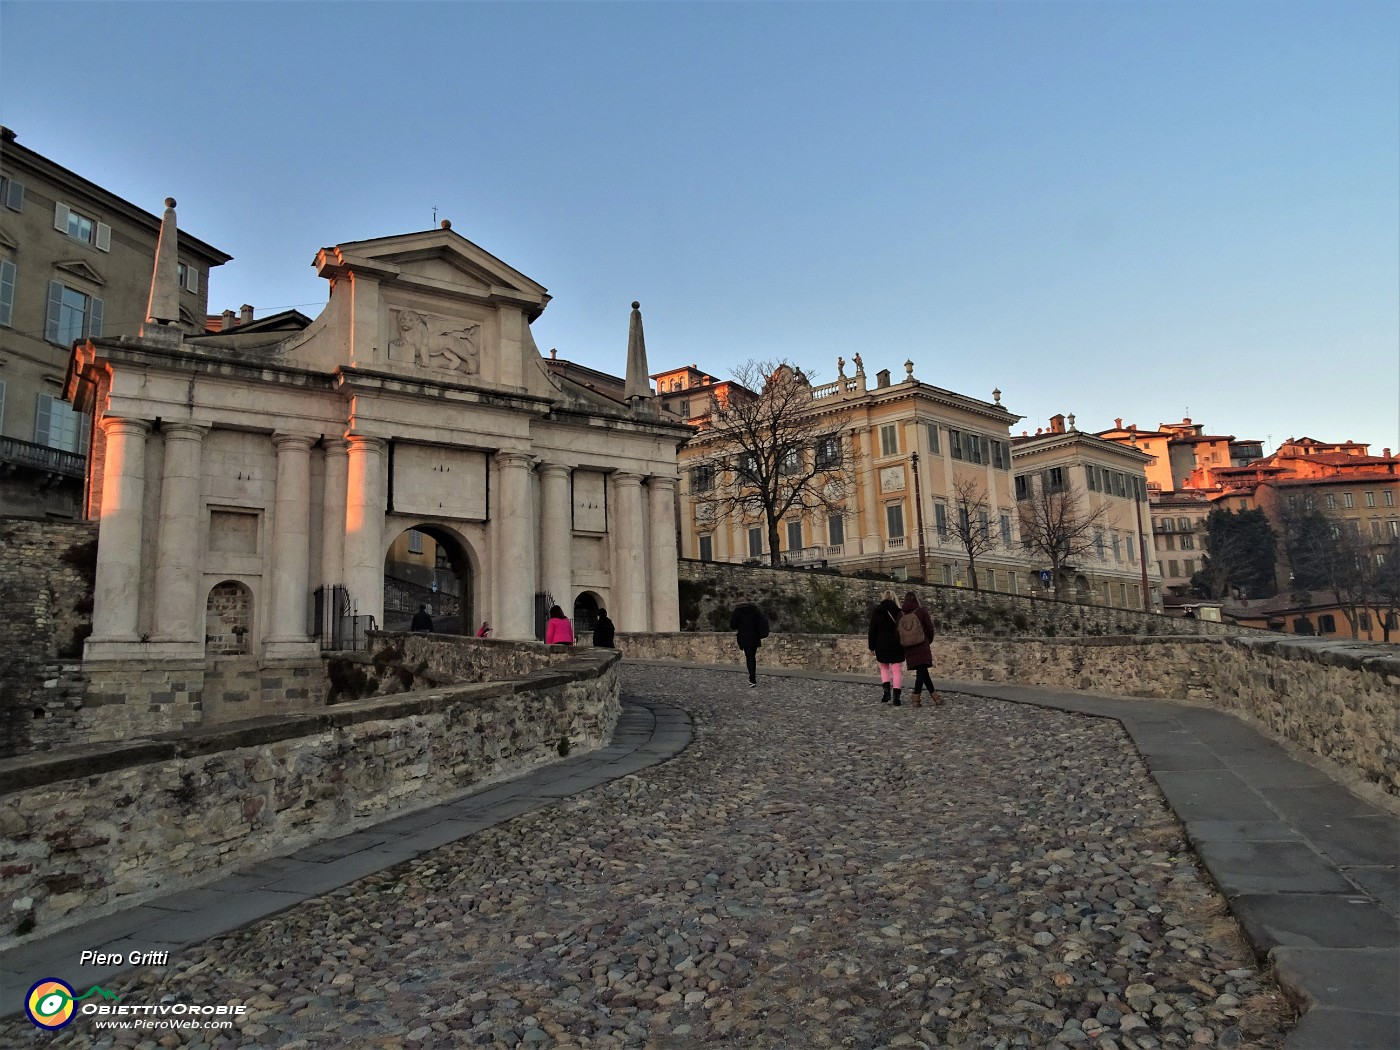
(228, 619)
(427, 567)
(586, 607)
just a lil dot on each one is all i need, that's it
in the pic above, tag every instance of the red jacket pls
(558, 630)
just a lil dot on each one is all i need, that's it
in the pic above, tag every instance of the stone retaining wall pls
(1339, 700)
(88, 830)
(46, 574)
(819, 603)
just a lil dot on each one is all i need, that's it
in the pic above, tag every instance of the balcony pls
(894, 543)
(16, 454)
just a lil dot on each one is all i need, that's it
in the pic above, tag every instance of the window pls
(1188, 542)
(1023, 487)
(748, 467)
(12, 194)
(1098, 543)
(940, 518)
(7, 292)
(962, 521)
(794, 535)
(415, 542)
(56, 425)
(1183, 524)
(1055, 479)
(1169, 541)
(1329, 501)
(1091, 477)
(1389, 499)
(1173, 567)
(755, 543)
(933, 438)
(1375, 528)
(1189, 567)
(1370, 499)
(1363, 621)
(955, 443)
(889, 440)
(1326, 624)
(984, 525)
(1168, 525)
(972, 448)
(791, 461)
(829, 452)
(1394, 527)
(1117, 549)
(707, 548)
(82, 228)
(894, 520)
(1132, 550)
(702, 478)
(1120, 484)
(189, 277)
(835, 530)
(1001, 454)
(1347, 500)
(1006, 530)
(72, 315)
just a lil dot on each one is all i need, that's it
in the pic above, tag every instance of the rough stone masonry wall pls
(46, 576)
(822, 603)
(1339, 700)
(86, 831)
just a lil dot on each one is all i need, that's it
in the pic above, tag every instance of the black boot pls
(896, 698)
(886, 698)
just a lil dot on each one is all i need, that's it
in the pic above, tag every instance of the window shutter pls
(43, 410)
(60, 217)
(193, 276)
(94, 318)
(104, 237)
(55, 305)
(7, 291)
(14, 195)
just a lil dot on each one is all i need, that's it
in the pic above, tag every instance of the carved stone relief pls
(432, 342)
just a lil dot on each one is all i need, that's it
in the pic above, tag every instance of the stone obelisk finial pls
(163, 309)
(638, 381)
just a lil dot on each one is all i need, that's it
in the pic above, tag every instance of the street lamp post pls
(919, 518)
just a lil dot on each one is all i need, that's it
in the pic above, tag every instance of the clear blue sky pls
(1136, 210)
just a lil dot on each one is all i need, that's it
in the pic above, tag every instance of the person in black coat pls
(885, 645)
(603, 631)
(422, 620)
(750, 627)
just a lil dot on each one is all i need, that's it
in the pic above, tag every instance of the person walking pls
(750, 627)
(557, 629)
(918, 655)
(422, 620)
(885, 645)
(484, 631)
(603, 631)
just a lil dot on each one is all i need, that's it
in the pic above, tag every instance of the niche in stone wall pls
(233, 532)
(228, 619)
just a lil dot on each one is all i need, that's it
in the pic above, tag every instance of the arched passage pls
(228, 619)
(429, 565)
(586, 607)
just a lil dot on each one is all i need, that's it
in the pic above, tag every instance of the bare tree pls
(1057, 522)
(1328, 554)
(971, 524)
(1384, 591)
(775, 452)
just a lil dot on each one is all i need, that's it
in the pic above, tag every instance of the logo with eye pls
(50, 1002)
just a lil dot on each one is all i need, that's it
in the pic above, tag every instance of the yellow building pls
(1105, 483)
(904, 449)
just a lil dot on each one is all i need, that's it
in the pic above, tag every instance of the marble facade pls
(417, 399)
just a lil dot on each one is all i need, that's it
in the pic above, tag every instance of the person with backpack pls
(885, 644)
(750, 627)
(915, 629)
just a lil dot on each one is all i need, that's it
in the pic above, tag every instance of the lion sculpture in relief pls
(424, 342)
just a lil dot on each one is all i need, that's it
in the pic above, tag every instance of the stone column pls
(556, 534)
(115, 602)
(629, 585)
(333, 513)
(515, 549)
(364, 525)
(178, 538)
(665, 590)
(870, 525)
(291, 551)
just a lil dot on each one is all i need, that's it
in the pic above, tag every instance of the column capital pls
(551, 469)
(283, 440)
(125, 425)
(659, 481)
(334, 445)
(624, 477)
(365, 443)
(189, 431)
(515, 460)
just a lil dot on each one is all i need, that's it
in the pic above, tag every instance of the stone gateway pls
(254, 488)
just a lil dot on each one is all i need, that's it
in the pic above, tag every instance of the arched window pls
(228, 619)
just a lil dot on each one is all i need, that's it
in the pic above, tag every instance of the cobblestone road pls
(816, 870)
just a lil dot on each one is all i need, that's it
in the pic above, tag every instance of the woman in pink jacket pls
(557, 629)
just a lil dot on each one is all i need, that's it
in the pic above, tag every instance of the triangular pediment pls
(80, 269)
(438, 258)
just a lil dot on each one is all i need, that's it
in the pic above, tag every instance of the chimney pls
(245, 315)
(1057, 423)
(1118, 424)
(882, 377)
(230, 319)
(1385, 452)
